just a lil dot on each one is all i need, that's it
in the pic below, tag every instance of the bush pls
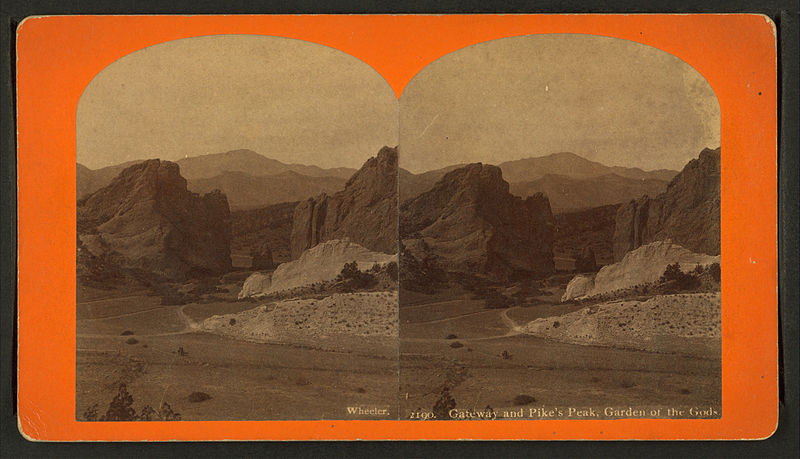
(391, 270)
(496, 300)
(715, 271)
(126, 333)
(523, 399)
(131, 341)
(196, 397)
(442, 407)
(456, 344)
(351, 278)
(451, 336)
(232, 321)
(121, 409)
(675, 280)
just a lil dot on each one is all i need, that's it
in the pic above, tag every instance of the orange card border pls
(59, 55)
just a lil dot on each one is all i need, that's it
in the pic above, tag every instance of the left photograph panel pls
(237, 235)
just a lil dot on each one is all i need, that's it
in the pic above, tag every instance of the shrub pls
(675, 280)
(445, 403)
(126, 333)
(456, 344)
(496, 300)
(351, 278)
(196, 397)
(391, 270)
(131, 341)
(451, 336)
(523, 399)
(232, 321)
(120, 408)
(91, 413)
(715, 271)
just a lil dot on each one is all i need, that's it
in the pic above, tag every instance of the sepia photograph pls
(559, 234)
(237, 235)
(335, 227)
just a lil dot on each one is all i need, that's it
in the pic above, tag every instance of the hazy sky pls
(290, 100)
(609, 100)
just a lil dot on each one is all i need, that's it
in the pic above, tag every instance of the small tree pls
(446, 402)
(715, 271)
(120, 408)
(91, 413)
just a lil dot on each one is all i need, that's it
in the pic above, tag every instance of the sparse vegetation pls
(523, 399)
(121, 409)
(675, 280)
(496, 300)
(196, 397)
(423, 275)
(445, 403)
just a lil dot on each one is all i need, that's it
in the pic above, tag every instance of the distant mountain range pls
(570, 181)
(251, 180)
(245, 191)
(569, 194)
(246, 177)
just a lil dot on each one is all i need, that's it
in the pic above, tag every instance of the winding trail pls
(513, 328)
(189, 325)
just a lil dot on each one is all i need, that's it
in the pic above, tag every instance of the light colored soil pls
(359, 314)
(637, 324)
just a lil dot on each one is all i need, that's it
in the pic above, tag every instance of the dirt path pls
(428, 305)
(446, 319)
(189, 325)
(513, 328)
(127, 314)
(115, 298)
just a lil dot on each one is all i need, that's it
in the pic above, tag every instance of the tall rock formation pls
(150, 221)
(471, 222)
(688, 212)
(365, 212)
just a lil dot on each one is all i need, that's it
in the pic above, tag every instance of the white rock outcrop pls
(256, 284)
(578, 287)
(643, 265)
(321, 263)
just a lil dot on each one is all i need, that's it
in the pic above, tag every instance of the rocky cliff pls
(471, 222)
(687, 212)
(365, 212)
(148, 218)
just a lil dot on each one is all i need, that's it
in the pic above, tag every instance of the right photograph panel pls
(560, 234)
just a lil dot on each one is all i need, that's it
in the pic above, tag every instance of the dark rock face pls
(586, 262)
(687, 212)
(472, 224)
(365, 211)
(150, 221)
(262, 258)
